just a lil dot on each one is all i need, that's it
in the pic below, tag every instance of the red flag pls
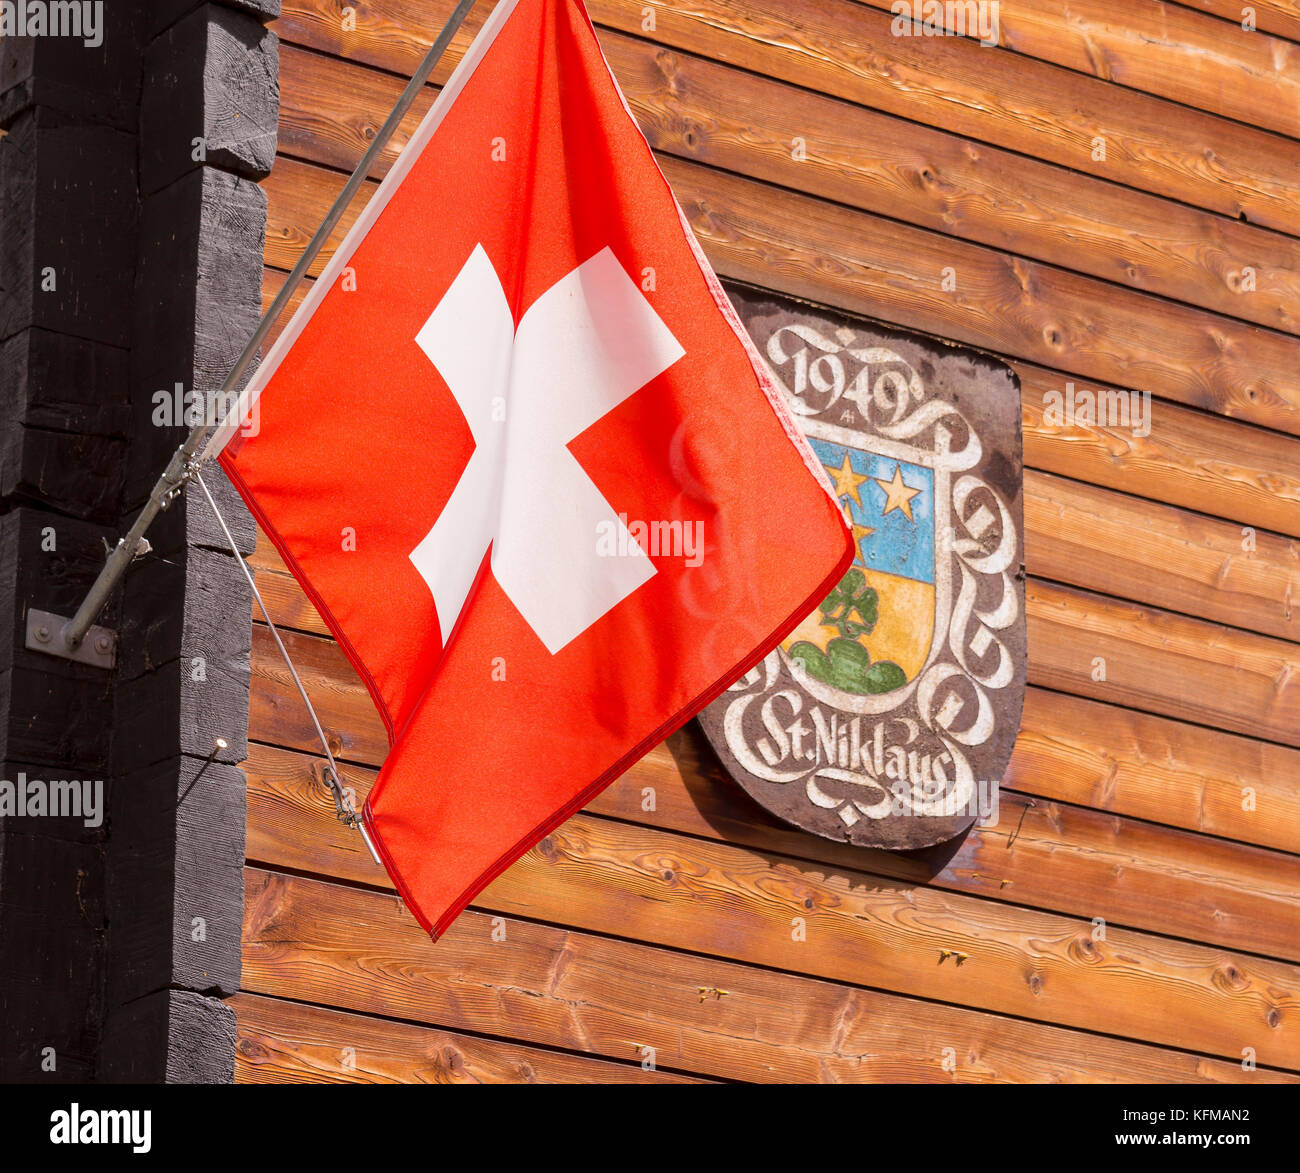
(519, 451)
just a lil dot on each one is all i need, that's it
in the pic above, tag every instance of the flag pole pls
(181, 465)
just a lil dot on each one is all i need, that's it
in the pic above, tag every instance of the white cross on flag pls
(521, 455)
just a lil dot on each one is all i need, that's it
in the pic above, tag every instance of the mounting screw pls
(103, 645)
(217, 746)
(43, 634)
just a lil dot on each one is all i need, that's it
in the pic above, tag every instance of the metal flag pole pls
(67, 641)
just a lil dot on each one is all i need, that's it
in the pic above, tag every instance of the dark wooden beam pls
(175, 857)
(129, 263)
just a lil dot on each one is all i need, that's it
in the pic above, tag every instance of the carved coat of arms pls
(888, 716)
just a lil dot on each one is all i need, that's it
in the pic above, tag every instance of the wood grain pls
(1108, 542)
(565, 988)
(1114, 759)
(696, 109)
(894, 272)
(1161, 49)
(844, 50)
(1279, 17)
(728, 901)
(1017, 309)
(287, 1042)
(1163, 663)
(1199, 461)
(1044, 855)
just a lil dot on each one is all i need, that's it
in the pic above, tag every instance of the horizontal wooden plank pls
(288, 1042)
(697, 109)
(1159, 48)
(1045, 855)
(565, 988)
(717, 898)
(1113, 759)
(1108, 542)
(822, 251)
(1199, 461)
(850, 926)
(1159, 662)
(1203, 462)
(1279, 17)
(839, 48)
(1069, 749)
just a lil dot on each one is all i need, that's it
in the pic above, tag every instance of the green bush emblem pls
(851, 608)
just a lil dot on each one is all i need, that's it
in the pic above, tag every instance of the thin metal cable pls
(345, 812)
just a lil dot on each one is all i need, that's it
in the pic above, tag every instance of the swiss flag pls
(519, 451)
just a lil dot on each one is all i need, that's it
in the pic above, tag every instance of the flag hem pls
(436, 928)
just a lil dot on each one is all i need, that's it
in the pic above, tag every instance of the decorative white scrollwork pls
(914, 758)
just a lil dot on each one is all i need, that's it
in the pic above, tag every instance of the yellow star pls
(859, 531)
(847, 482)
(898, 495)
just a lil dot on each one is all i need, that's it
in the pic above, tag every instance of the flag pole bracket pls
(47, 632)
(78, 638)
(66, 637)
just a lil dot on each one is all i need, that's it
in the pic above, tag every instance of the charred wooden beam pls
(131, 238)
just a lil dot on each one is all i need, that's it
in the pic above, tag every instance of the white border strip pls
(231, 424)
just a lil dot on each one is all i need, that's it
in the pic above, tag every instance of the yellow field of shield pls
(903, 630)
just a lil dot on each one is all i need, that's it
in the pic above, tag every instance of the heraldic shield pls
(888, 716)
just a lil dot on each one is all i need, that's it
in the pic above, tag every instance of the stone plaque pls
(887, 717)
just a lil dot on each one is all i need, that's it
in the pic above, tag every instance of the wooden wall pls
(1163, 799)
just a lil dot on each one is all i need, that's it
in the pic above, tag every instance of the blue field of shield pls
(897, 545)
